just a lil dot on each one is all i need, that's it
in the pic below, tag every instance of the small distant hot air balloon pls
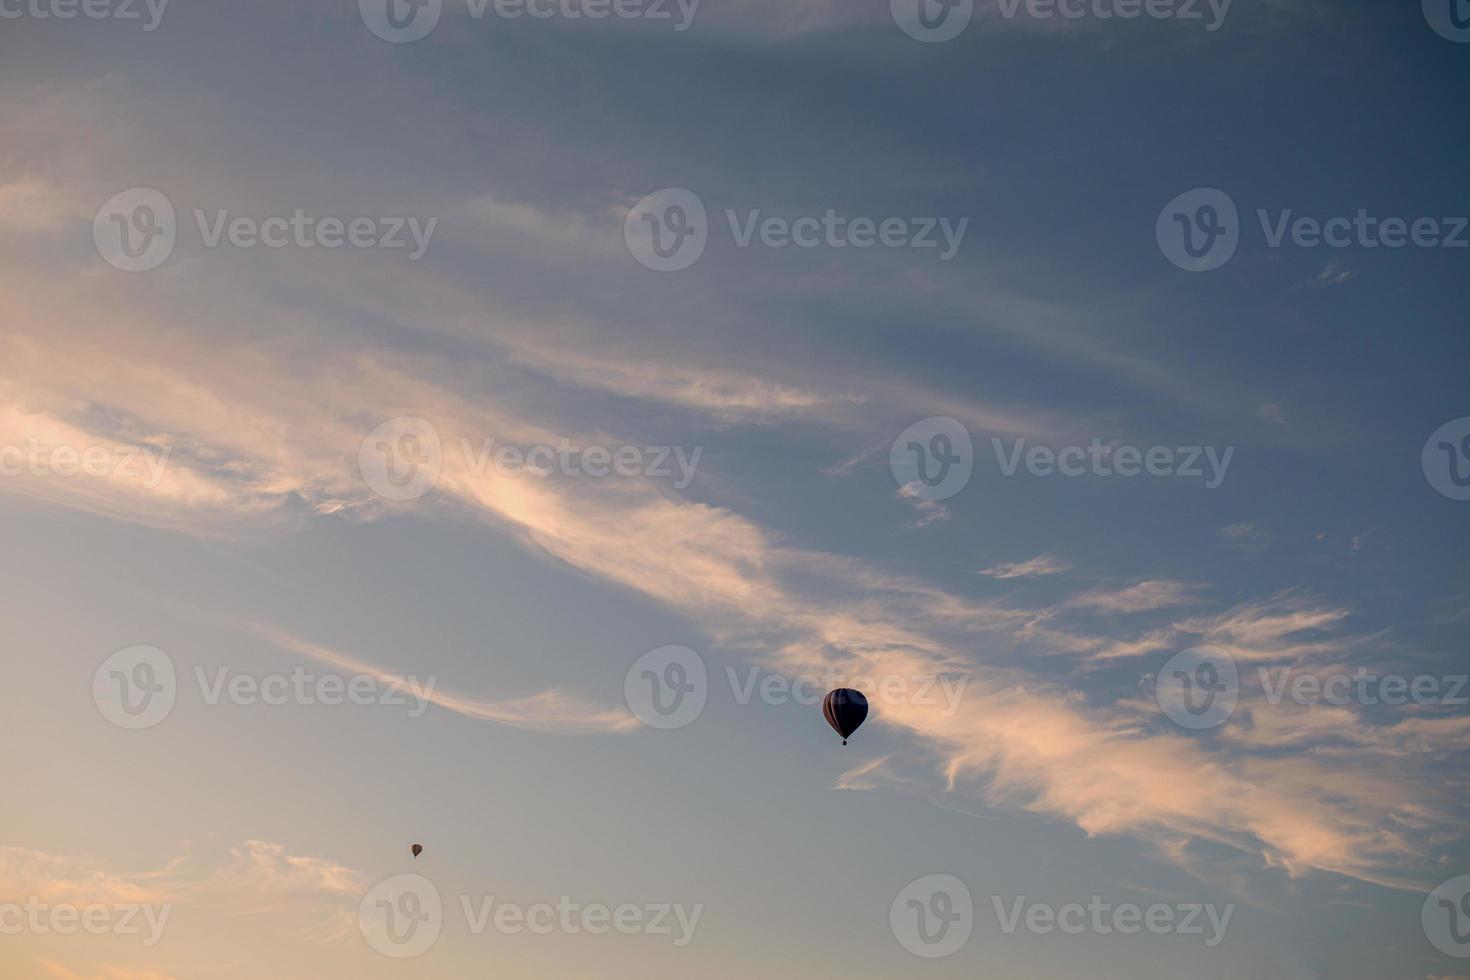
(845, 710)
(417, 850)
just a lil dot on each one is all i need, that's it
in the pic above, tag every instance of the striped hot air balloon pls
(845, 710)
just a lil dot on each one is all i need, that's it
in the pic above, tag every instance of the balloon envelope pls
(417, 849)
(845, 710)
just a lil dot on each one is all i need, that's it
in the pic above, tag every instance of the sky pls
(495, 426)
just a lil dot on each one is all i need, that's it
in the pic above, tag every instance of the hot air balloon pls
(845, 710)
(417, 850)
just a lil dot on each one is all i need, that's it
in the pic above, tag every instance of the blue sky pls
(260, 381)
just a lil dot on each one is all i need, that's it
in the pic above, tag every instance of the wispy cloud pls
(58, 971)
(293, 894)
(1140, 597)
(724, 395)
(34, 204)
(267, 430)
(1246, 536)
(930, 511)
(1333, 274)
(863, 776)
(552, 712)
(1014, 739)
(1047, 564)
(1271, 412)
(1284, 628)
